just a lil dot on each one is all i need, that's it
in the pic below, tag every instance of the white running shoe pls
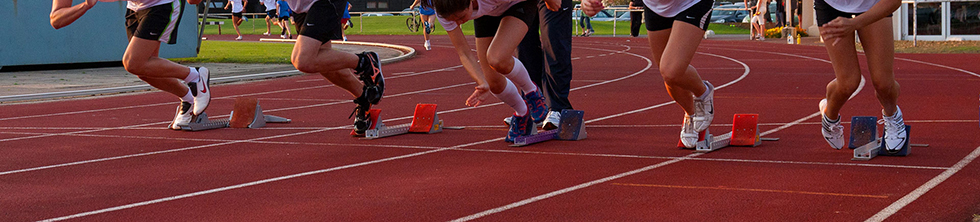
(704, 108)
(182, 117)
(427, 45)
(894, 130)
(833, 132)
(689, 137)
(201, 90)
(239, 38)
(266, 33)
(551, 122)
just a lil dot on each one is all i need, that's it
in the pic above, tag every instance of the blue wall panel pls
(27, 38)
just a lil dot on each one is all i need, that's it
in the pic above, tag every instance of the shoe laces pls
(892, 125)
(831, 127)
(688, 126)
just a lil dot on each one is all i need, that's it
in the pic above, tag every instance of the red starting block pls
(745, 132)
(246, 114)
(425, 120)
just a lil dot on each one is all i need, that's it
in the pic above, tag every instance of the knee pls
(848, 85)
(133, 66)
(305, 65)
(501, 62)
(673, 74)
(885, 85)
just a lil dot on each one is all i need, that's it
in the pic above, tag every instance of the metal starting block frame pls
(745, 132)
(867, 145)
(246, 114)
(425, 120)
(570, 127)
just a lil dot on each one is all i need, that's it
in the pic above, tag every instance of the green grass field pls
(395, 25)
(241, 52)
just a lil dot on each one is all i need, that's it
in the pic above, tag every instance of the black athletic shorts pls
(486, 26)
(698, 15)
(322, 21)
(236, 14)
(826, 13)
(155, 23)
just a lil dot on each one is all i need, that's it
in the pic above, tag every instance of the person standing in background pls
(553, 47)
(282, 10)
(237, 6)
(270, 15)
(636, 17)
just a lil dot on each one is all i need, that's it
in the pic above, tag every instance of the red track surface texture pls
(111, 158)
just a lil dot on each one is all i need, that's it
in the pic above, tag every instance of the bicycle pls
(414, 21)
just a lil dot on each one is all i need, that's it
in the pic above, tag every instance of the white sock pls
(188, 97)
(193, 76)
(512, 98)
(520, 77)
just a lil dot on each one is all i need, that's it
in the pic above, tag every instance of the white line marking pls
(573, 188)
(918, 192)
(649, 63)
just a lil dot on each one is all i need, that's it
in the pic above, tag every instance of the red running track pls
(110, 158)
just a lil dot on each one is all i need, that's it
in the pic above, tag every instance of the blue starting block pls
(867, 145)
(571, 127)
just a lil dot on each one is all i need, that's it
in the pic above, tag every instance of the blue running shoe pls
(536, 106)
(520, 126)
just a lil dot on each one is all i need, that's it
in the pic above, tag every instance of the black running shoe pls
(369, 72)
(360, 114)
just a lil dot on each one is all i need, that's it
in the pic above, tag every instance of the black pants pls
(636, 21)
(556, 36)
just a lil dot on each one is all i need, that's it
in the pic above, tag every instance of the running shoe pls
(704, 108)
(427, 45)
(239, 38)
(535, 106)
(267, 33)
(832, 130)
(689, 137)
(521, 127)
(550, 123)
(182, 117)
(369, 71)
(895, 135)
(201, 90)
(360, 115)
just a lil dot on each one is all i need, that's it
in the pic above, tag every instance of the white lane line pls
(584, 185)
(570, 189)
(918, 192)
(649, 63)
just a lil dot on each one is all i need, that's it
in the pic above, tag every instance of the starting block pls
(571, 127)
(745, 132)
(425, 120)
(246, 114)
(867, 145)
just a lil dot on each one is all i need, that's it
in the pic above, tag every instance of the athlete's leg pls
(141, 60)
(312, 56)
(674, 54)
(879, 49)
(847, 70)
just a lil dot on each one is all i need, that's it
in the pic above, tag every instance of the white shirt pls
(300, 6)
(852, 6)
(269, 4)
(669, 8)
(137, 5)
(236, 6)
(486, 7)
